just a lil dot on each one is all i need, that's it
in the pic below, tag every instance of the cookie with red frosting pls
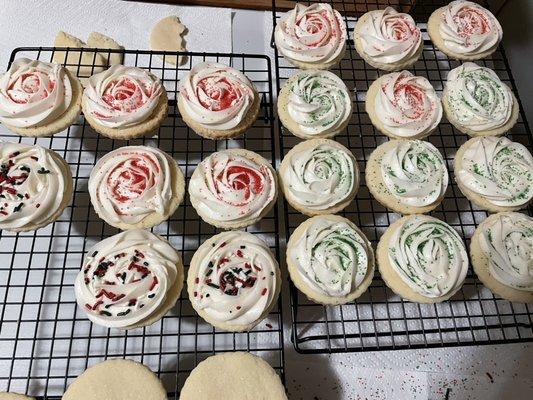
(125, 102)
(233, 188)
(217, 101)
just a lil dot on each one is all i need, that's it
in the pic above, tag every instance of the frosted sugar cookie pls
(129, 280)
(477, 102)
(38, 98)
(330, 260)
(387, 39)
(311, 37)
(256, 379)
(403, 106)
(233, 188)
(125, 102)
(407, 176)
(502, 255)
(116, 379)
(217, 101)
(35, 186)
(495, 173)
(136, 187)
(422, 259)
(464, 30)
(319, 176)
(314, 104)
(233, 281)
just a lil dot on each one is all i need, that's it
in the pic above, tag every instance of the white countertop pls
(408, 374)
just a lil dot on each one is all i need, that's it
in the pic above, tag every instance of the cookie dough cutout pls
(116, 379)
(14, 396)
(167, 35)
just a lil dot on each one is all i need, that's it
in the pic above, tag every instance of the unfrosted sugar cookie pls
(319, 176)
(311, 37)
(233, 188)
(129, 280)
(501, 250)
(330, 260)
(136, 187)
(495, 173)
(464, 30)
(477, 102)
(387, 39)
(125, 102)
(35, 186)
(422, 259)
(255, 378)
(407, 176)
(14, 396)
(116, 379)
(38, 98)
(233, 281)
(314, 104)
(217, 101)
(403, 106)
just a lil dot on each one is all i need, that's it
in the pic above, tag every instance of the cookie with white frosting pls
(256, 379)
(387, 39)
(464, 30)
(403, 106)
(477, 102)
(136, 187)
(233, 188)
(495, 173)
(319, 176)
(217, 101)
(407, 176)
(501, 250)
(125, 102)
(129, 280)
(311, 37)
(233, 281)
(330, 260)
(422, 259)
(314, 104)
(35, 186)
(39, 98)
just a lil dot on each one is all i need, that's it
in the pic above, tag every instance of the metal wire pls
(380, 320)
(45, 341)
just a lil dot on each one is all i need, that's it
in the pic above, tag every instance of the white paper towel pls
(36, 22)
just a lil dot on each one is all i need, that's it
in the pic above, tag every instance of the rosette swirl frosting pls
(217, 96)
(236, 278)
(229, 186)
(477, 98)
(126, 278)
(321, 176)
(319, 101)
(311, 34)
(33, 93)
(499, 170)
(331, 256)
(32, 185)
(131, 183)
(468, 28)
(122, 96)
(428, 255)
(407, 105)
(388, 36)
(508, 244)
(414, 172)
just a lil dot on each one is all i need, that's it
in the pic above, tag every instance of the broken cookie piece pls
(167, 35)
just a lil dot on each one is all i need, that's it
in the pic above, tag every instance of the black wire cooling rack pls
(380, 320)
(45, 340)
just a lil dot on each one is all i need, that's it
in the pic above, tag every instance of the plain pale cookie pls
(101, 41)
(167, 35)
(116, 379)
(14, 396)
(233, 376)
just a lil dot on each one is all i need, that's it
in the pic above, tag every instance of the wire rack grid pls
(380, 320)
(45, 340)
